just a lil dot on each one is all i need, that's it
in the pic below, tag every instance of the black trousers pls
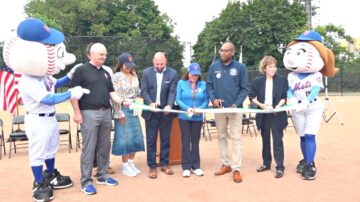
(269, 124)
(190, 138)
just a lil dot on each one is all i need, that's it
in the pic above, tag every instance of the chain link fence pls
(343, 83)
(141, 48)
(346, 81)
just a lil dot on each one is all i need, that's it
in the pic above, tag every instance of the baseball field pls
(337, 160)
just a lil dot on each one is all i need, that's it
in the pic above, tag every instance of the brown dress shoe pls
(223, 170)
(110, 170)
(237, 177)
(152, 173)
(167, 170)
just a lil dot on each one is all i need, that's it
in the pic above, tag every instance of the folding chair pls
(64, 118)
(2, 138)
(78, 131)
(289, 116)
(17, 134)
(208, 127)
(248, 121)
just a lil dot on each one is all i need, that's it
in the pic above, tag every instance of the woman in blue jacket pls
(191, 94)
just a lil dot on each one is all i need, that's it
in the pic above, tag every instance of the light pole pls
(187, 54)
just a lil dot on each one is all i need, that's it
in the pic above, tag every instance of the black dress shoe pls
(263, 168)
(279, 173)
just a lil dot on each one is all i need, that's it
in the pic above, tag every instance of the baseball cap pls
(33, 29)
(127, 59)
(309, 35)
(194, 69)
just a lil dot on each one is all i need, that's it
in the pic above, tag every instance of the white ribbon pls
(138, 106)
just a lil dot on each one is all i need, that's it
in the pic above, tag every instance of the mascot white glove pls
(71, 72)
(77, 92)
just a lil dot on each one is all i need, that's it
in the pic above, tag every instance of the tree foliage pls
(333, 38)
(134, 19)
(260, 27)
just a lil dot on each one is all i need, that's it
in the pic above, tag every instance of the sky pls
(190, 16)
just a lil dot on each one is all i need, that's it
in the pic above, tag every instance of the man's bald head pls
(227, 51)
(160, 55)
(228, 45)
(159, 61)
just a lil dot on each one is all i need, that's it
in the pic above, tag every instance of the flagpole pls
(241, 55)
(214, 57)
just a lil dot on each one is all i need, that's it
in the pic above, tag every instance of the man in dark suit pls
(158, 89)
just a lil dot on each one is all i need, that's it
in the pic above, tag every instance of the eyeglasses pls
(225, 50)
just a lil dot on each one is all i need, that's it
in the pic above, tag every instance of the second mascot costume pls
(309, 60)
(38, 52)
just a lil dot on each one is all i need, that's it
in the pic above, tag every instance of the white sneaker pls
(128, 171)
(134, 168)
(186, 173)
(198, 172)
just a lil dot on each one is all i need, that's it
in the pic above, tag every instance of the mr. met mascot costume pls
(38, 52)
(309, 60)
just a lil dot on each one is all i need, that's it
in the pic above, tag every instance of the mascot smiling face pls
(37, 53)
(303, 57)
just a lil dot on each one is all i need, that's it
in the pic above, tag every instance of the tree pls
(261, 27)
(134, 26)
(334, 37)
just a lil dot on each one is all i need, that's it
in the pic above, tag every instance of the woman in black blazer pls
(270, 91)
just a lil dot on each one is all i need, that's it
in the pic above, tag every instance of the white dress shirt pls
(159, 78)
(268, 92)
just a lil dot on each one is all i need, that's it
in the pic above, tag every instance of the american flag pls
(9, 97)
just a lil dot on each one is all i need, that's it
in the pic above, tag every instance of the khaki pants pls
(234, 121)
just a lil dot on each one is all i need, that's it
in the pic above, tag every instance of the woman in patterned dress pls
(128, 137)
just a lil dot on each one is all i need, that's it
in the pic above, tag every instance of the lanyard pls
(193, 90)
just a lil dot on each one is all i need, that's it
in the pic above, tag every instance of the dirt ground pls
(337, 160)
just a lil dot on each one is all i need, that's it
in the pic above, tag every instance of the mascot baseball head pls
(307, 54)
(36, 49)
